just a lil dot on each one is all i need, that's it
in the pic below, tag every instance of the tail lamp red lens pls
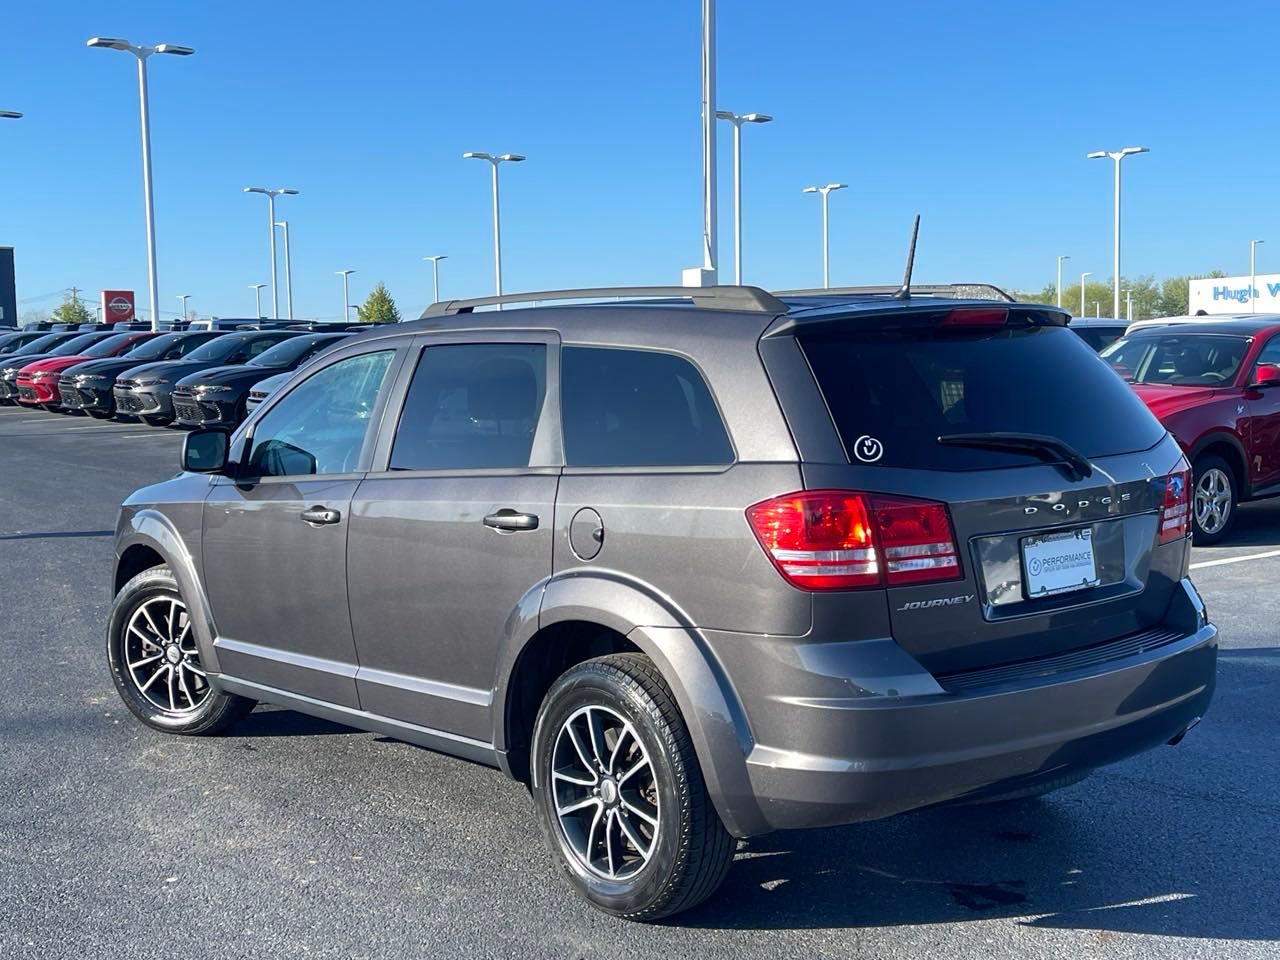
(1175, 512)
(976, 317)
(843, 540)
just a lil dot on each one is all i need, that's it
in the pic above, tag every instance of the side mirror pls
(205, 451)
(1266, 375)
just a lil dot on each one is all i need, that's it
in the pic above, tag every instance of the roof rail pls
(959, 291)
(748, 299)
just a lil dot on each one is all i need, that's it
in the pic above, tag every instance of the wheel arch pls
(1229, 448)
(584, 616)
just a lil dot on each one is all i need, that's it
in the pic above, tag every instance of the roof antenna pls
(904, 291)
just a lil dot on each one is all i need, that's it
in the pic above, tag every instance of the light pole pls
(288, 268)
(257, 296)
(1128, 308)
(1253, 275)
(494, 161)
(184, 297)
(826, 233)
(143, 53)
(271, 232)
(1065, 256)
(1117, 156)
(435, 275)
(346, 298)
(738, 120)
(1082, 277)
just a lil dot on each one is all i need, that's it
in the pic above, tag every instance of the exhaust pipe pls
(1177, 739)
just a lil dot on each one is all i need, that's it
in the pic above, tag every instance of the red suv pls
(1216, 387)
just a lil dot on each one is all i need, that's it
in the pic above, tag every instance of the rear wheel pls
(155, 663)
(620, 795)
(1214, 499)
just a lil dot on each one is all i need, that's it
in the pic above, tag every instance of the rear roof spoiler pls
(954, 291)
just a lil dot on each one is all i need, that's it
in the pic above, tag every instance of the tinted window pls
(1099, 337)
(217, 350)
(47, 342)
(13, 342)
(76, 345)
(906, 388)
(1269, 353)
(636, 408)
(1185, 360)
(294, 351)
(108, 347)
(472, 406)
(319, 427)
(258, 345)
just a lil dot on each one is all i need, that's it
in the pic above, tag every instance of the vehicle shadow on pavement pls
(1257, 525)
(1162, 845)
(273, 722)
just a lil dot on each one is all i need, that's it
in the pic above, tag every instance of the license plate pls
(1058, 563)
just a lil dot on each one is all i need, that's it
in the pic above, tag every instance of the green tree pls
(379, 308)
(72, 311)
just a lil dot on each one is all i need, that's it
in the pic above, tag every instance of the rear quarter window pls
(638, 408)
(906, 388)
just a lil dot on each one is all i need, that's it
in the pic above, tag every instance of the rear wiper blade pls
(1050, 449)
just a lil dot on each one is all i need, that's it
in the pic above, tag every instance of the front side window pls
(472, 406)
(321, 425)
(638, 408)
(1269, 353)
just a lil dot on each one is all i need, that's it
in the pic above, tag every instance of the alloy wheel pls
(161, 657)
(1213, 501)
(605, 793)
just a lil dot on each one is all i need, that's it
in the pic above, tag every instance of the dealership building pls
(1232, 294)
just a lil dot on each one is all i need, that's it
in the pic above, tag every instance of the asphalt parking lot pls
(296, 837)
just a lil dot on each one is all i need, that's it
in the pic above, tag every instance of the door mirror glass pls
(1266, 375)
(205, 451)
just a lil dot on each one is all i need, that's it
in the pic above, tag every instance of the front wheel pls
(1214, 499)
(155, 662)
(620, 794)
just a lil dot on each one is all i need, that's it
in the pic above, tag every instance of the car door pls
(452, 535)
(275, 531)
(1264, 421)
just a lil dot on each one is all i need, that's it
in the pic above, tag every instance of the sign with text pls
(1233, 294)
(117, 305)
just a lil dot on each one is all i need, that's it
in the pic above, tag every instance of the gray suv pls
(693, 565)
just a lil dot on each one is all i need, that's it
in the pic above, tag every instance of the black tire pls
(1040, 789)
(100, 414)
(691, 852)
(214, 711)
(1208, 469)
(152, 421)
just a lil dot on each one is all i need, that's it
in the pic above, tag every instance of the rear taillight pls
(1175, 511)
(976, 317)
(841, 540)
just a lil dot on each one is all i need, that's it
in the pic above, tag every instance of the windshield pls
(76, 345)
(1183, 360)
(217, 349)
(897, 392)
(12, 342)
(47, 342)
(107, 347)
(293, 351)
(155, 348)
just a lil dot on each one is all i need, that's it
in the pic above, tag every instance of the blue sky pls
(977, 115)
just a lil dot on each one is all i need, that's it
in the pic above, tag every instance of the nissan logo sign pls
(120, 306)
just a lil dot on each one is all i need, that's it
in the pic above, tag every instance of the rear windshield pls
(1183, 360)
(892, 394)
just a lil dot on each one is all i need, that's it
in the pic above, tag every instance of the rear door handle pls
(320, 515)
(510, 521)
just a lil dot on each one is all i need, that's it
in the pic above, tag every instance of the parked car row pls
(192, 377)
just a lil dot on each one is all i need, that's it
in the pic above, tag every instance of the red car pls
(38, 381)
(1216, 387)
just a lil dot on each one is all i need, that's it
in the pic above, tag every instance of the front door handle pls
(321, 515)
(509, 521)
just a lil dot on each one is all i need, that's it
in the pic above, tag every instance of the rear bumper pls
(871, 753)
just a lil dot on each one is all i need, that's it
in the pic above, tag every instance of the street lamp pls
(826, 233)
(738, 120)
(1253, 275)
(1117, 156)
(346, 296)
(1128, 308)
(257, 296)
(184, 297)
(1065, 256)
(497, 220)
(10, 115)
(143, 53)
(288, 268)
(271, 231)
(435, 274)
(1082, 276)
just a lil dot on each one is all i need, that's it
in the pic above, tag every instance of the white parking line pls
(1218, 563)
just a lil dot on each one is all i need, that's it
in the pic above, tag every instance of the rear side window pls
(472, 406)
(892, 394)
(638, 408)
